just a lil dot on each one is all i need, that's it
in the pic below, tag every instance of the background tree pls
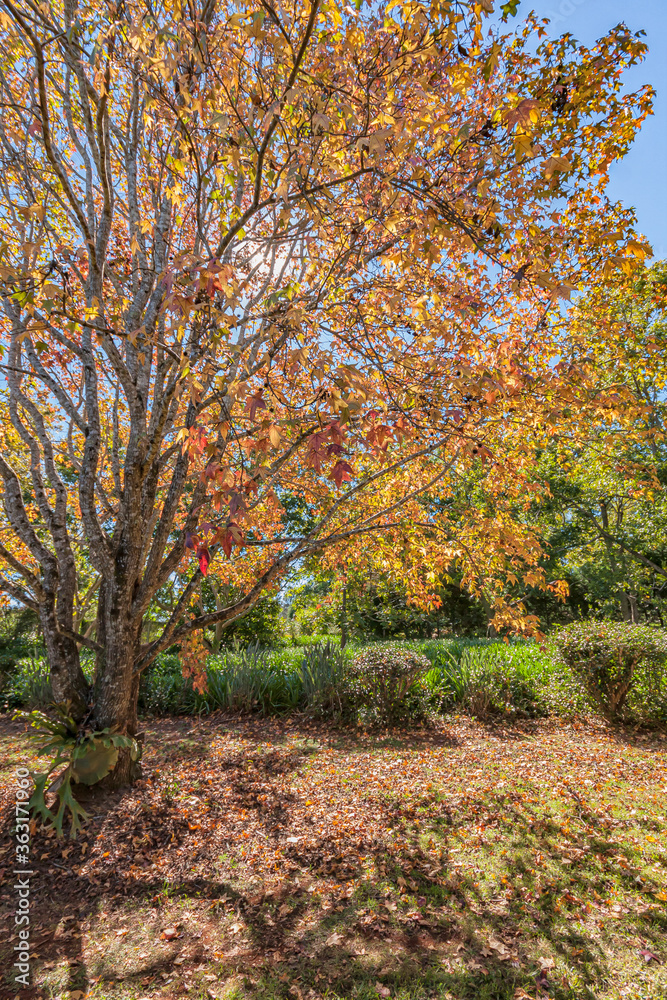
(604, 516)
(251, 254)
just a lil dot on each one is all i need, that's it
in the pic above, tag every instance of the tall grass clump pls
(496, 678)
(252, 679)
(324, 680)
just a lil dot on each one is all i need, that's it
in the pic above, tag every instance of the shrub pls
(611, 658)
(387, 682)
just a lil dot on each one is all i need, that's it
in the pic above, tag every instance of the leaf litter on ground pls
(467, 858)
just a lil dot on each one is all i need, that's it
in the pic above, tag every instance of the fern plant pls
(87, 758)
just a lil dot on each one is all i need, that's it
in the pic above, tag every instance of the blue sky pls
(641, 178)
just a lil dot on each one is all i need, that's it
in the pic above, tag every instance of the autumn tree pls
(605, 508)
(253, 252)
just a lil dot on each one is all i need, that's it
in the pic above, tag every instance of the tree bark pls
(68, 682)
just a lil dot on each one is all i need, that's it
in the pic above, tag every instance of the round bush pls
(387, 681)
(606, 656)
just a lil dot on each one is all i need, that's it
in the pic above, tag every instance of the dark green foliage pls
(481, 677)
(491, 679)
(29, 685)
(20, 637)
(164, 690)
(611, 657)
(387, 683)
(250, 680)
(262, 624)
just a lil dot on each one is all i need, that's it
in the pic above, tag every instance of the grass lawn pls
(288, 859)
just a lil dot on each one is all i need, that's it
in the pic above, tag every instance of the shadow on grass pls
(540, 875)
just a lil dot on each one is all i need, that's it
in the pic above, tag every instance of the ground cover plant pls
(277, 859)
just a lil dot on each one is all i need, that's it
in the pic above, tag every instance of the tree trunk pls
(68, 683)
(488, 614)
(626, 610)
(117, 687)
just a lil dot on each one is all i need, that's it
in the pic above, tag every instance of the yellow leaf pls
(639, 250)
(557, 164)
(274, 436)
(522, 146)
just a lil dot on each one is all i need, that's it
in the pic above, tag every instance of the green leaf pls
(91, 763)
(511, 7)
(67, 801)
(78, 813)
(37, 801)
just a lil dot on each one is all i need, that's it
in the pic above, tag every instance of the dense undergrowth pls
(478, 677)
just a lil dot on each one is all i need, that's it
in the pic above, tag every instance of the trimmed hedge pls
(613, 658)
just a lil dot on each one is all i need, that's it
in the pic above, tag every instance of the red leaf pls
(227, 541)
(190, 540)
(204, 558)
(341, 472)
(648, 956)
(35, 128)
(317, 450)
(229, 537)
(255, 403)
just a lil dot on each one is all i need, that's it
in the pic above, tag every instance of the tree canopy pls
(256, 255)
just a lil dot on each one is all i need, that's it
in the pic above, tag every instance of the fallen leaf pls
(384, 991)
(170, 933)
(648, 956)
(546, 963)
(500, 948)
